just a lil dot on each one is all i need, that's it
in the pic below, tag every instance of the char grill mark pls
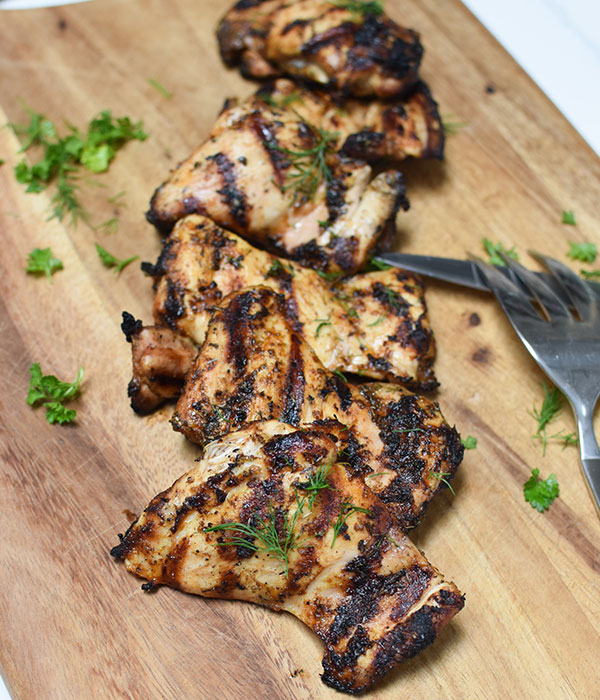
(267, 134)
(232, 196)
(294, 390)
(236, 318)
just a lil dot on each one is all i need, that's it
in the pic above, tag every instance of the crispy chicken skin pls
(366, 591)
(244, 178)
(362, 55)
(253, 366)
(374, 324)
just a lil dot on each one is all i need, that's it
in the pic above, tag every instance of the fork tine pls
(544, 295)
(580, 293)
(508, 294)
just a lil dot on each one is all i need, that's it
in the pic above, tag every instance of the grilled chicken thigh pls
(362, 53)
(268, 175)
(373, 324)
(252, 366)
(270, 516)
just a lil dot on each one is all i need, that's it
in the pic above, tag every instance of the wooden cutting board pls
(73, 623)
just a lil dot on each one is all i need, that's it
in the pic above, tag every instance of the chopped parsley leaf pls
(540, 492)
(42, 261)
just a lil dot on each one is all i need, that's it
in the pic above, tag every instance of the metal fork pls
(565, 345)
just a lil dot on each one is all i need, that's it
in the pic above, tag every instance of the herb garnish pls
(163, 90)
(589, 274)
(393, 299)
(284, 100)
(329, 276)
(551, 407)
(540, 492)
(568, 217)
(63, 157)
(586, 252)
(494, 250)
(274, 534)
(309, 166)
(360, 7)
(469, 443)
(52, 393)
(346, 510)
(375, 264)
(278, 267)
(107, 227)
(110, 260)
(450, 125)
(323, 322)
(42, 261)
(339, 374)
(376, 322)
(570, 440)
(441, 476)
(317, 482)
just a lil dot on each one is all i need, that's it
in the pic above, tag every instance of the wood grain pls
(74, 624)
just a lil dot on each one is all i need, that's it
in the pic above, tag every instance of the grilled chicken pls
(252, 366)
(269, 516)
(363, 53)
(161, 358)
(245, 178)
(373, 324)
(268, 175)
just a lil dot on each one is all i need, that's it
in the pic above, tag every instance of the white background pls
(556, 41)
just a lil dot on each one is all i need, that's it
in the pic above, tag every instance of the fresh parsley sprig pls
(469, 443)
(586, 252)
(540, 493)
(64, 156)
(52, 394)
(109, 260)
(568, 217)
(589, 274)
(494, 250)
(41, 261)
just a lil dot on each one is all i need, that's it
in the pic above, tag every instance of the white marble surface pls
(556, 41)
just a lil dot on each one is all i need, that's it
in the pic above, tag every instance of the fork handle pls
(588, 448)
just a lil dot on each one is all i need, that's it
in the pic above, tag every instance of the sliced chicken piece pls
(161, 358)
(373, 324)
(253, 366)
(269, 516)
(362, 53)
(270, 176)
